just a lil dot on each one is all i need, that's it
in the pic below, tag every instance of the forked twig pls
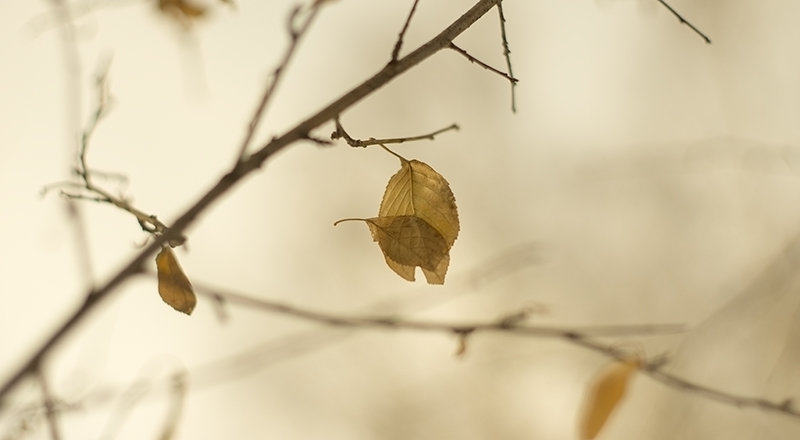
(472, 59)
(685, 21)
(341, 133)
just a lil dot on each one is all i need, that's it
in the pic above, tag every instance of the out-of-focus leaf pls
(604, 395)
(182, 11)
(173, 285)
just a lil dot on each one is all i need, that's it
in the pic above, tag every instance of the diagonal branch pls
(685, 21)
(242, 169)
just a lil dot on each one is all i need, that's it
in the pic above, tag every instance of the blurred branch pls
(243, 168)
(399, 44)
(509, 324)
(49, 411)
(654, 370)
(296, 32)
(74, 107)
(582, 336)
(684, 21)
(341, 133)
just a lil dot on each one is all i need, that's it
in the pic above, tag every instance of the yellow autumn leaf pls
(173, 285)
(604, 395)
(418, 190)
(417, 222)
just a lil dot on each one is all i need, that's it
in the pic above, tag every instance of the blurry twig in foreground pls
(684, 21)
(49, 406)
(582, 336)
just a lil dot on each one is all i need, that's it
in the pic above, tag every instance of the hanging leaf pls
(604, 395)
(173, 285)
(418, 190)
(408, 240)
(417, 222)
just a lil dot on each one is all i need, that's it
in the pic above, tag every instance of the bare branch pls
(507, 54)
(472, 59)
(684, 21)
(296, 32)
(399, 44)
(341, 133)
(242, 169)
(511, 323)
(582, 336)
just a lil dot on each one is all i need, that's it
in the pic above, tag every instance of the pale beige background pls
(647, 177)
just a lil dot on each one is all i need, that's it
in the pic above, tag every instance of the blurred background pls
(646, 177)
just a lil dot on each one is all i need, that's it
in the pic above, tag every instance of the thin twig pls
(244, 168)
(295, 34)
(684, 21)
(472, 59)
(511, 323)
(399, 44)
(341, 133)
(582, 336)
(507, 55)
(91, 192)
(49, 406)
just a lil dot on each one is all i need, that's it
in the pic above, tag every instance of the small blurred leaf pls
(173, 285)
(603, 396)
(182, 11)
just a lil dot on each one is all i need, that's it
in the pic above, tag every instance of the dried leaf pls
(173, 285)
(408, 240)
(417, 222)
(417, 189)
(604, 395)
